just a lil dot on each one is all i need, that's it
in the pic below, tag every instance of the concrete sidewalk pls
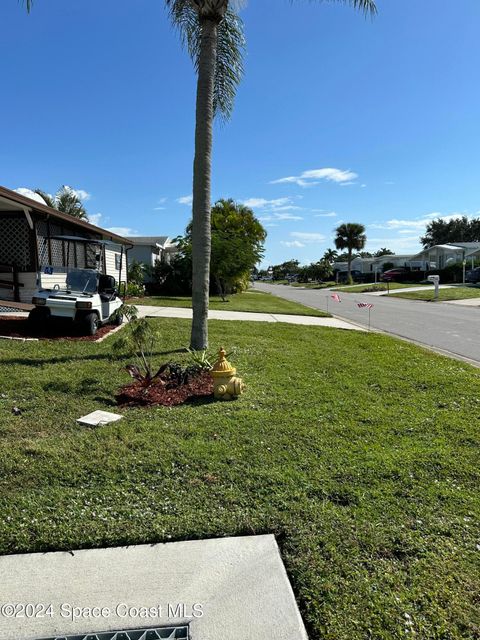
(407, 290)
(147, 311)
(466, 302)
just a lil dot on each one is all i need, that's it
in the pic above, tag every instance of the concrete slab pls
(467, 302)
(99, 418)
(225, 589)
(148, 311)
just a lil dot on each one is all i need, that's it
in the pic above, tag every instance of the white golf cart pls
(84, 296)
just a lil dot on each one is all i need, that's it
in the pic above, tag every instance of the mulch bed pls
(137, 394)
(17, 327)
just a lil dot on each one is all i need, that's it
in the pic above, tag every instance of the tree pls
(237, 239)
(330, 256)
(288, 268)
(65, 200)
(383, 252)
(350, 236)
(212, 32)
(450, 231)
(237, 245)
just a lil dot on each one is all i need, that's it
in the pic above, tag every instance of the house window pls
(117, 261)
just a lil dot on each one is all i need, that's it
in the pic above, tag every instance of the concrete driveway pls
(452, 329)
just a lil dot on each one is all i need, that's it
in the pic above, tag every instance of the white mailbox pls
(436, 281)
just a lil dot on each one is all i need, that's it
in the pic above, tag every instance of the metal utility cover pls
(157, 633)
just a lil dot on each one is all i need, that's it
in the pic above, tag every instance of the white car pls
(84, 296)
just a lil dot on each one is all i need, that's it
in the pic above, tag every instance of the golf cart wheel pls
(90, 324)
(118, 320)
(37, 318)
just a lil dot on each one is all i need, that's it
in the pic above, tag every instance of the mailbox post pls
(436, 282)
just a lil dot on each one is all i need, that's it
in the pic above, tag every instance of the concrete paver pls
(226, 589)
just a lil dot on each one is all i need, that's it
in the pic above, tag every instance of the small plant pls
(139, 339)
(374, 288)
(170, 374)
(201, 359)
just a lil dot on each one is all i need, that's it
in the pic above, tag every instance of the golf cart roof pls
(81, 239)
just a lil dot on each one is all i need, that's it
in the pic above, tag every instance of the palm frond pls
(230, 50)
(229, 71)
(49, 200)
(28, 4)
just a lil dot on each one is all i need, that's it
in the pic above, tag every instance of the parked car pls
(395, 275)
(473, 275)
(357, 276)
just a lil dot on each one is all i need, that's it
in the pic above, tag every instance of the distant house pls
(372, 265)
(444, 255)
(431, 259)
(33, 235)
(150, 249)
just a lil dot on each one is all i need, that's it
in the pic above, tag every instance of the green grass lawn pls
(455, 293)
(381, 286)
(255, 301)
(358, 451)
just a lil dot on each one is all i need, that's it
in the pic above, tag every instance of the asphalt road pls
(450, 328)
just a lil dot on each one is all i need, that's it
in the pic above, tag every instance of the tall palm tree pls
(350, 236)
(65, 200)
(212, 32)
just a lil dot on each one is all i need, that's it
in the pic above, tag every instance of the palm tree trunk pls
(202, 169)
(349, 276)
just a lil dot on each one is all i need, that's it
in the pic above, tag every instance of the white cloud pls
(28, 193)
(261, 203)
(331, 214)
(94, 218)
(274, 210)
(279, 216)
(401, 225)
(188, 200)
(279, 204)
(293, 243)
(310, 238)
(311, 177)
(159, 209)
(80, 193)
(123, 231)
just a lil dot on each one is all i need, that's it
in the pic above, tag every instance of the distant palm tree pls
(350, 236)
(212, 32)
(65, 200)
(330, 256)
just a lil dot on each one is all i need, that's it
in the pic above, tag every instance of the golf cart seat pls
(107, 288)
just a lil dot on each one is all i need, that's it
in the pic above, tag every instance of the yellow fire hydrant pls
(226, 385)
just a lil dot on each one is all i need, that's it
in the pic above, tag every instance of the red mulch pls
(136, 394)
(17, 327)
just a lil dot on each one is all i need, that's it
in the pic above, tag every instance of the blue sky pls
(338, 118)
